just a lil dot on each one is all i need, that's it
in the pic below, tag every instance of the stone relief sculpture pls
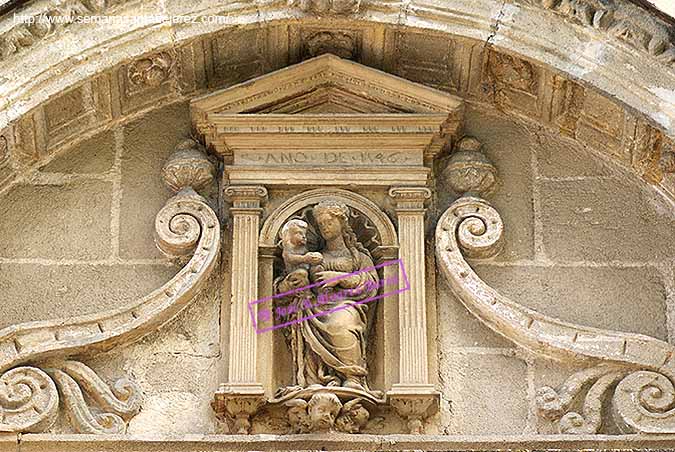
(636, 372)
(329, 351)
(37, 369)
(327, 6)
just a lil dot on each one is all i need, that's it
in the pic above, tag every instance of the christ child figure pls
(297, 259)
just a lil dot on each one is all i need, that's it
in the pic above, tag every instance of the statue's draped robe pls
(336, 342)
(330, 348)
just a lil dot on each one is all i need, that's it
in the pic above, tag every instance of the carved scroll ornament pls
(636, 370)
(35, 373)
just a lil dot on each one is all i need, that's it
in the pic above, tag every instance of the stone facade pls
(569, 174)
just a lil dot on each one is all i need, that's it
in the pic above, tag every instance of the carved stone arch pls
(113, 82)
(272, 225)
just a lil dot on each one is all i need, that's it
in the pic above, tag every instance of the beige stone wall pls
(585, 242)
(78, 236)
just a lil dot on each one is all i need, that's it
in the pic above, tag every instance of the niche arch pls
(273, 223)
(383, 351)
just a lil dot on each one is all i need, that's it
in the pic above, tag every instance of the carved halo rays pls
(273, 224)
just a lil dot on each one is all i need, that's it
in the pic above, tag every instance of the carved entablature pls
(332, 114)
(344, 154)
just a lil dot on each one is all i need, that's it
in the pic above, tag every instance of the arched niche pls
(274, 355)
(272, 225)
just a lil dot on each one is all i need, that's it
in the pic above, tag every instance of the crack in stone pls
(488, 44)
(495, 27)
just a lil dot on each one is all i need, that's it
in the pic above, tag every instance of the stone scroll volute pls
(42, 373)
(628, 375)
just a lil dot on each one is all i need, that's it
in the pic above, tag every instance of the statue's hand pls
(314, 258)
(328, 275)
(294, 280)
(298, 279)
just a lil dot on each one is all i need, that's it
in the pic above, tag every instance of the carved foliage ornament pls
(29, 399)
(38, 26)
(617, 19)
(338, 43)
(636, 372)
(151, 71)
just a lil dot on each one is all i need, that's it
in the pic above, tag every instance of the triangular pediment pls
(323, 105)
(327, 99)
(326, 84)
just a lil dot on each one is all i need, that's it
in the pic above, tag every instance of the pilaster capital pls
(245, 196)
(409, 199)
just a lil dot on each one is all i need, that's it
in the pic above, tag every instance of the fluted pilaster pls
(245, 213)
(413, 397)
(412, 303)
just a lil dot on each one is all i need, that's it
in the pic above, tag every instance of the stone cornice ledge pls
(334, 442)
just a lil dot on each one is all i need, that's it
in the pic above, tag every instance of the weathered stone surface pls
(69, 221)
(486, 393)
(457, 327)
(559, 157)
(553, 374)
(179, 367)
(624, 299)
(70, 290)
(508, 145)
(605, 220)
(197, 347)
(95, 155)
(472, 224)
(148, 142)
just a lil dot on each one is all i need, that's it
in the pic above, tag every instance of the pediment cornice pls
(241, 122)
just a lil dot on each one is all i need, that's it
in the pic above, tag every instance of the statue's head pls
(322, 409)
(332, 217)
(294, 233)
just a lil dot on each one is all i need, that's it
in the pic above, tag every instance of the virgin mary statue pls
(329, 347)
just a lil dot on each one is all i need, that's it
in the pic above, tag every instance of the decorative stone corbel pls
(636, 370)
(415, 407)
(237, 408)
(36, 372)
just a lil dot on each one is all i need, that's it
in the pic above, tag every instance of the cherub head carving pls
(322, 409)
(353, 417)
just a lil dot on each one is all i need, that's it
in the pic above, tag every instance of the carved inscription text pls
(352, 158)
